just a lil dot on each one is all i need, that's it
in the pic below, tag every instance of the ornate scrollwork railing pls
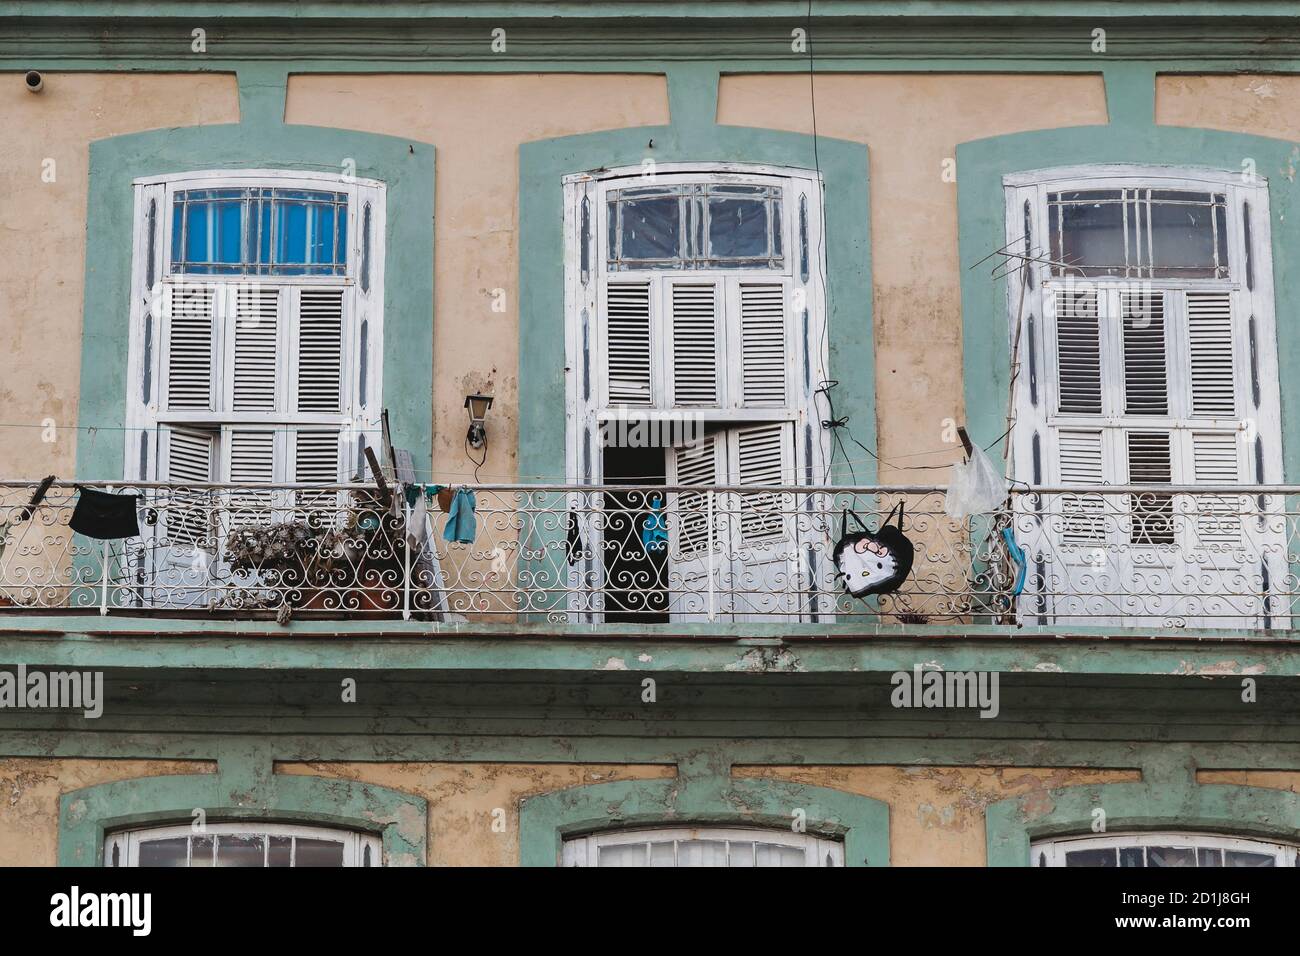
(1123, 556)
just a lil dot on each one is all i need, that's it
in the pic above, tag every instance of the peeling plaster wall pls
(476, 123)
(462, 798)
(1267, 779)
(30, 788)
(911, 125)
(936, 814)
(43, 237)
(1258, 104)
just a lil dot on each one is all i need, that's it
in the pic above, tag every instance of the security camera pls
(34, 81)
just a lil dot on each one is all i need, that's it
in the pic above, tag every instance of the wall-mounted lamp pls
(33, 80)
(478, 406)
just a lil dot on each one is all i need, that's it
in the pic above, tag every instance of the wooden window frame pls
(585, 850)
(126, 843)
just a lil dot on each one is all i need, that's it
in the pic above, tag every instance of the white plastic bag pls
(976, 487)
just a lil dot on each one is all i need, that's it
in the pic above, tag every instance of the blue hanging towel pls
(654, 533)
(461, 523)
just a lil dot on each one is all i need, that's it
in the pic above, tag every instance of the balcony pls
(1137, 556)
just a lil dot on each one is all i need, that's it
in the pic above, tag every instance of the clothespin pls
(965, 441)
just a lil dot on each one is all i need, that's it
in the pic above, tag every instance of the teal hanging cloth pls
(461, 523)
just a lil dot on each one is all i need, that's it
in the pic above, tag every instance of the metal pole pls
(406, 578)
(709, 550)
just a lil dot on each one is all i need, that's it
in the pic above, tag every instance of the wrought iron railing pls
(1155, 556)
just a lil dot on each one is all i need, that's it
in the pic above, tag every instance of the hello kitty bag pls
(873, 562)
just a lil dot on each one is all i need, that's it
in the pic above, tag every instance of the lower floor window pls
(702, 846)
(1163, 849)
(237, 844)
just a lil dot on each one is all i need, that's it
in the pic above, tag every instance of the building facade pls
(741, 281)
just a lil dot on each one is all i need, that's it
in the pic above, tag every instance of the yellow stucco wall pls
(1259, 104)
(30, 788)
(43, 239)
(476, 123)
(1268, 779)
(936, 814)
(463, 797)
(912, 125)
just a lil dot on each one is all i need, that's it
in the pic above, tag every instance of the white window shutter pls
(256, 348)
(1215, 461)
(191, 325)
(252, 456)
(1146, 362)
(763, 455)
(189, 455)
(316, 457)
(320, 349)
(701, 463)
(627, 343)
(695, 313)
(1080, 461)
(1209, 332)
(1078, 353)
(1150, 458)
(763, 343)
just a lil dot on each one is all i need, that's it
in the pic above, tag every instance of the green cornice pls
(596, 38)
(378, 646)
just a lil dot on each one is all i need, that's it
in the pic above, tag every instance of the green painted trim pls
(260, 141)
(1181, 804)
(1130, 138)
(692, 137)
(639, 9)
(356, 647)
(244, 789)
(700, 796)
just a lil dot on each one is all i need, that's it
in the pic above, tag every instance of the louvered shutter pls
(1215, 461)
(763, 343)
(1150, 461)
(190, 323)
(1080, 461)
(1146, 361)
(316, 456)
(695, 314)
(189, 454)
(251, 460)
(320, 350)
(1078, 353)
(1209, 333)
(627, 343)
(255, 375)
(703, 464)
(763, 455)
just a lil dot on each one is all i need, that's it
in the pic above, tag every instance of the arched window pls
(1162, 849)
(241, 844)
(702, 846)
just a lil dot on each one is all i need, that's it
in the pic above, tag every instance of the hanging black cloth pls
(104, 516)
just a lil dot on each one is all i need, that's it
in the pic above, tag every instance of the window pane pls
(1087, 230)
(280, 852)
(1209, 857)
(661, 854)
(738, 228)
(240, 850)
(259, 231)
(1242, 858)
(201, 851)
(1171, 856)
(1104, 857)
(632, 854)
(163, 852)
(1131, 856)
(318, 853)
(701, 853)
(651, 228)
(1183, 240)
(770, 854)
